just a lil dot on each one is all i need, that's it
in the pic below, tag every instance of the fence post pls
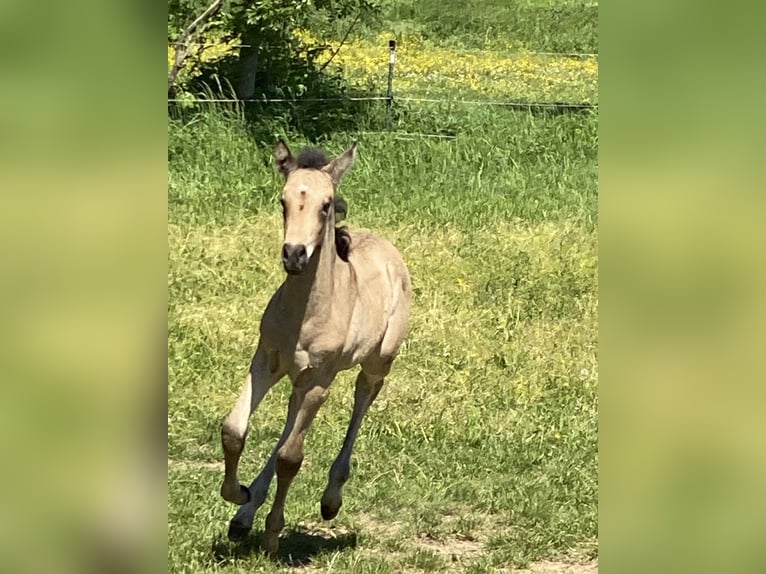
(390, 92)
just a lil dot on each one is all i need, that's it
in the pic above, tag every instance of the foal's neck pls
(313, 289)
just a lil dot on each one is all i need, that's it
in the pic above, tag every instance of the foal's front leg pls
(263, 374)
(242, 523)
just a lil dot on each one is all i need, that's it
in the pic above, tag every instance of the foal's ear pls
(337, 167)
(284, 159)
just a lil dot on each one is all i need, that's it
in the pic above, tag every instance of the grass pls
(480, 454)
(425, 69)
(501, 165)
(495, 25)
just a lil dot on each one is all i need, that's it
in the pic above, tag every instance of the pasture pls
(480, 453)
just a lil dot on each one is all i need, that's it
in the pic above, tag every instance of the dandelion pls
(424, 70)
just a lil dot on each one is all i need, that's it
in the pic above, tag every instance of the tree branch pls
(343, 41)
(181, 48)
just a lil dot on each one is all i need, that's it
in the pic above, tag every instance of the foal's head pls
(309, 202)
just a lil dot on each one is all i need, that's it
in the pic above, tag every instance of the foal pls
(345, 302)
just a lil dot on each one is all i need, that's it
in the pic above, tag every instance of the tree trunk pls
(248, 66)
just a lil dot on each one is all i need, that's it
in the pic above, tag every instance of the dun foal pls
(345, 302)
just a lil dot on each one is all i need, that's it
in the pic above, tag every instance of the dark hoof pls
(329, 513)
(243, 498)
(238, 532)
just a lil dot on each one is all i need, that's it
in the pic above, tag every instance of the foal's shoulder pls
(361, 239)
(370, 251)
(365, 242)
(375, 258)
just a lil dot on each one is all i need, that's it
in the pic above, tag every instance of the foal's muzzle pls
(294, 258)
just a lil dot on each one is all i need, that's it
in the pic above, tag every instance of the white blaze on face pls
(305, 192)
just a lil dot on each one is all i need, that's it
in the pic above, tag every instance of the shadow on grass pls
(297, 547)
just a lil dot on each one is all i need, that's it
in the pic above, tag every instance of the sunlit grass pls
(423, 69)
(489, 412)
(486, 431)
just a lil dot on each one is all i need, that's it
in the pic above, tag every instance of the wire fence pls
(510, 104)
(280, 100)
(326, 46)
(389, 98)
(519, 105)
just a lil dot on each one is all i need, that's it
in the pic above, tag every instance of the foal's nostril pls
(294, 257)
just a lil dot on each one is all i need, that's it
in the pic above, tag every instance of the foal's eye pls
(326, 207)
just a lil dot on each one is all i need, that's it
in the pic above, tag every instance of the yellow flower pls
(423, 70)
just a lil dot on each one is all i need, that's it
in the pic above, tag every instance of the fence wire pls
(278, 100)
(389, 99)
(514, 104)
(465, 50)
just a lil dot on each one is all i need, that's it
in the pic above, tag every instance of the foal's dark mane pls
(312, 158)
(315, 158)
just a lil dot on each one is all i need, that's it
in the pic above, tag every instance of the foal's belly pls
(332, 352)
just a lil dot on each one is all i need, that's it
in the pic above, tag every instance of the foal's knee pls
(289, 461)
(232, 439)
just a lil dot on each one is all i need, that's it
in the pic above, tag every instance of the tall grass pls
(536, 25)
(500, 165)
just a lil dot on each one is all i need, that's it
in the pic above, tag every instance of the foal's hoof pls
(270, 543)
(240, 497)
(238, 531)
(329, 512)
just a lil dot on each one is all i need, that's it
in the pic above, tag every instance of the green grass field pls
(480, 454)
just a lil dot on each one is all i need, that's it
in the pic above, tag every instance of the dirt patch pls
(463, 552)
(458, 552)
(549, 567)
(553, 567)
(455, 549)
(194, 465)
(374, 526)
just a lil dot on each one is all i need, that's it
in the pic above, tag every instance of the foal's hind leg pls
(309, 393)
(263, 374)
(367, 388)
